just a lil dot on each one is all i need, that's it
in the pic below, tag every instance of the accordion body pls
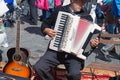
(72, 33)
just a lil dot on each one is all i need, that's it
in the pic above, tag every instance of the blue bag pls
(116, 8)
(10, 5)
(99, 13)
(9, 1)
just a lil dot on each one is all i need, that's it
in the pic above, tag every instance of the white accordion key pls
(59, 26)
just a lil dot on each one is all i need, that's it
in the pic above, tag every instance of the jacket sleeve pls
(89, 49)
(49, 22)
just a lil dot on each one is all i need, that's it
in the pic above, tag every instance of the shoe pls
(118, 57)
(107, 58)
(40, 18)
(113, 50)
(5, 45)
(33, 23)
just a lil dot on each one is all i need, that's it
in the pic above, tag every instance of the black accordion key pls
(62, 25)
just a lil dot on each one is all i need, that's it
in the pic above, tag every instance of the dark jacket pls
(52, 19)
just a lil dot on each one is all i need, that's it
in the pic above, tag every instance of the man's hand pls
(50, 32)
(94, 42)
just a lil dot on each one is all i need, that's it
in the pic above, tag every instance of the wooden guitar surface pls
(18, 57)
(17, 68)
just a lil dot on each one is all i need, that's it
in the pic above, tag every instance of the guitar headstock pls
(18, 12)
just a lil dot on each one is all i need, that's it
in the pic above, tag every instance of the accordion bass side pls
(72, 34)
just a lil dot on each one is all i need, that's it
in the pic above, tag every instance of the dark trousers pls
(52, 58)
(118, 25)
(33, 11)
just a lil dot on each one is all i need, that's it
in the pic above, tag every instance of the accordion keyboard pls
(61, 23)
(61, 26)
(65, 32)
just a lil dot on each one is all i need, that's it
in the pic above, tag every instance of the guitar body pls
(16, 67)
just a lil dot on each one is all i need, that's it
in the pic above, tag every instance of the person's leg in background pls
(40, 14)
(25, 7)
(117, 47)
(33, 12)
(3, 43)
(46, 13)
(118, 25)
(111, 29)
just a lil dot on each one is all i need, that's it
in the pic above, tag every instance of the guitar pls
(18, 58)
(2, 64)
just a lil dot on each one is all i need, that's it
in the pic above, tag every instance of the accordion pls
(72, 33)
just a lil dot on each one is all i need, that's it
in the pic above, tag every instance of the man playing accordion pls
(53, 58)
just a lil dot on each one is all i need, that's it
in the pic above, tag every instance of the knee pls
(38, 68)
(41, 67)
(35, 67)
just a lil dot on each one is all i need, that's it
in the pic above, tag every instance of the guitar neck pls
(18, 37)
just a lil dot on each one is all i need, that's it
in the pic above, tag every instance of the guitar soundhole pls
(16, 69)
(17, 57)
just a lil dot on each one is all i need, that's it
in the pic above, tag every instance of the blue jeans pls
(111, 28)
(47, 13)
(4, 31)
(26, 9)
